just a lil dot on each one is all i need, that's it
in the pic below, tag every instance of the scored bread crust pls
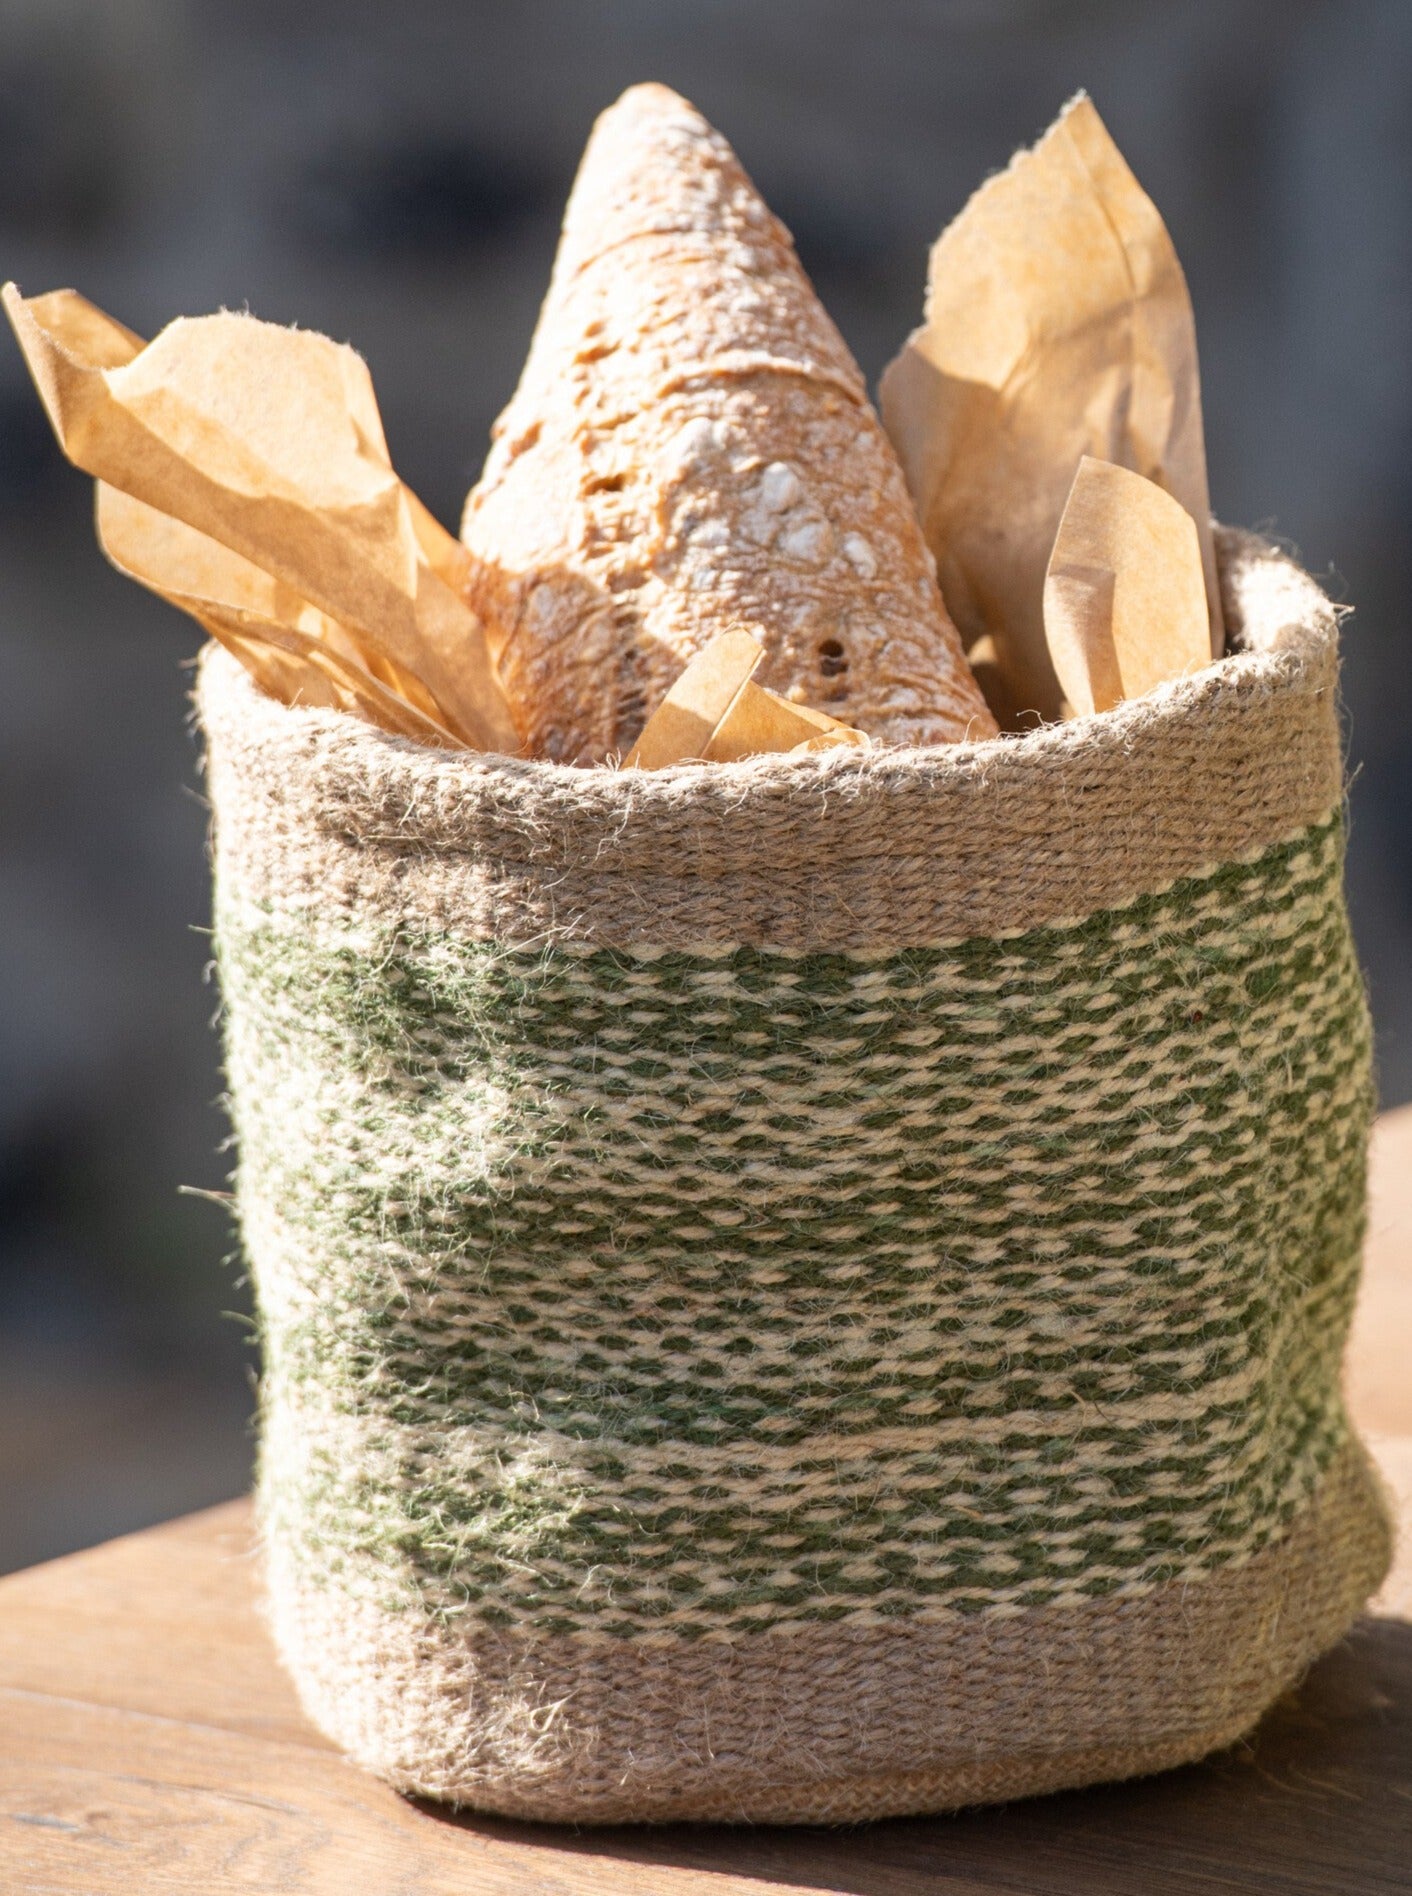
(692, 447)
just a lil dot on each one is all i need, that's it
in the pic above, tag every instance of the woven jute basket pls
(813, 1288)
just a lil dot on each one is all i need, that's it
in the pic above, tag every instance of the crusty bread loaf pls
(692, 446)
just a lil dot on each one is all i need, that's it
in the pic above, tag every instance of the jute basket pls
(809, 1289)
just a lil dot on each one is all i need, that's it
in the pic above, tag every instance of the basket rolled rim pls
(866, 851)
(1280, 622)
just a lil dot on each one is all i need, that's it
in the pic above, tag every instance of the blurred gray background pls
(394, 175)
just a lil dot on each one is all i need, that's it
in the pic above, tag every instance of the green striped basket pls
(812, 1288)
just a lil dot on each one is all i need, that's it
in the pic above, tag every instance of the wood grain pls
(149, 1743)
(1380, 1350)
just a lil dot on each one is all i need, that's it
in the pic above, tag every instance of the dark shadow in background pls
(394, 176)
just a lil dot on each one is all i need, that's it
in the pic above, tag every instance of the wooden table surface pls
(149, 1743)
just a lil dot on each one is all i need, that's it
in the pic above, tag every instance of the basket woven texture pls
(807, 1289)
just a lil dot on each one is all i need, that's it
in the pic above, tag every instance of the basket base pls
(833, 1725)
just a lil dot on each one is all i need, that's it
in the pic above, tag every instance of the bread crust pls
(692, 447)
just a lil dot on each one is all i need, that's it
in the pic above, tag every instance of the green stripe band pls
(662, 1294)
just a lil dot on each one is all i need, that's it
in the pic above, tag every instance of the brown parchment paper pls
(760, 721)
(714, 713)
(267, 445)
(294, 651)
(1058, 324)
(1124, 594)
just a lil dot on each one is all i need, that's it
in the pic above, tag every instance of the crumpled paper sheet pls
(295, 653)
(713, 713)
(265, 504)
(1058, 325)
(243, 474)
(1124, 594)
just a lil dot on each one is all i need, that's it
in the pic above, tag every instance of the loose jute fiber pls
(806, 1289)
